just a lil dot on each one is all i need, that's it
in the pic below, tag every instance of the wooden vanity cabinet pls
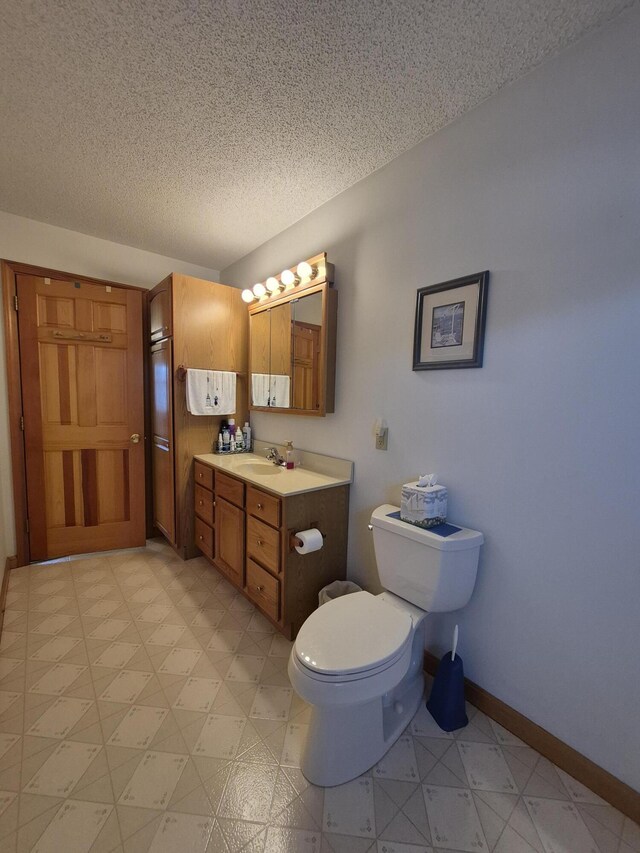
(251, 533)
(199, 324)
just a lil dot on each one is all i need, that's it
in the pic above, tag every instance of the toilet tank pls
(434, 572)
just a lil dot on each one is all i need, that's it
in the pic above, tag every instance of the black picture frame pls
(450, 321)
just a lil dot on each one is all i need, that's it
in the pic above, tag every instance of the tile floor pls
(145, 706)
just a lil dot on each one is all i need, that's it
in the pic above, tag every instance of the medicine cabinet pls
(292, 347)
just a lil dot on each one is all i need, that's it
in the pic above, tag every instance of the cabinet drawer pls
(204, 475)
(204, 537)
(229, 489)
(263, 506)
(204, 504)
(263, 544)
(263, 588)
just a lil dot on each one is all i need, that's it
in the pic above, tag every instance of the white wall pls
(43, 245)
(539, 448)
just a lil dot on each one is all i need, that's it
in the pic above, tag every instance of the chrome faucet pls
(274, 456)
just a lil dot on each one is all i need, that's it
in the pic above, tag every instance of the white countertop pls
(255, 469)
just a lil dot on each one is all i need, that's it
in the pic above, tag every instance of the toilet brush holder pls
(446, 702)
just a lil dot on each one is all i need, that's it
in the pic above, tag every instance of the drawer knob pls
(201, 538)
(259, 541)
(260, 588)
(201, 503)
(260, 506)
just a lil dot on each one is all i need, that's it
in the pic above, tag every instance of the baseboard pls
(11, 563)
(621, 796)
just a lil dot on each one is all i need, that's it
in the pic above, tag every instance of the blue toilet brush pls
(446, 702)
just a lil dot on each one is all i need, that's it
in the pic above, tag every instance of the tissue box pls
(424, 506)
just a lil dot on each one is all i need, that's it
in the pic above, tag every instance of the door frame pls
(9, 271)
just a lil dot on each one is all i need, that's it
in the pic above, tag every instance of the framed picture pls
(450, 321)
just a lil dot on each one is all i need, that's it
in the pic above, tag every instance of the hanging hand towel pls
(211, 392)
(260, 389)
(280, 391)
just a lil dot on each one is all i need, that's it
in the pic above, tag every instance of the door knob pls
(135, 438)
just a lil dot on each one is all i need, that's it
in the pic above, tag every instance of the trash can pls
(335, 590)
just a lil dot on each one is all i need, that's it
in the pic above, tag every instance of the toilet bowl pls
(358, 660)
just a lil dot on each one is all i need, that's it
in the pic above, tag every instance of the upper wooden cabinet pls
(199, 324)
(292, 359)
(160, 311)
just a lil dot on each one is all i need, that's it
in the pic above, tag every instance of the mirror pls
(292, 351)
(306, 328)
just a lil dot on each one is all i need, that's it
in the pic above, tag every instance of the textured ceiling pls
(201, 129)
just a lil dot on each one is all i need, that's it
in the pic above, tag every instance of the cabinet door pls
(162, 439)
(229, 540)
(160, 325)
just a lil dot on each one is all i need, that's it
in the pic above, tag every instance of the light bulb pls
(259, 289)
(287, 278)
(304, 270)
(273, 284)
(247, 295)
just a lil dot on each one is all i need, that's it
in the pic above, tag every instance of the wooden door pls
(164, 507)
(306, 366)
(82, 387)
(229, 539)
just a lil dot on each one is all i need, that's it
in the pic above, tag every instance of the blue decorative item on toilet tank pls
(446, 702)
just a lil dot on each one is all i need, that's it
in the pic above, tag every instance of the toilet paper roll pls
(311, 541)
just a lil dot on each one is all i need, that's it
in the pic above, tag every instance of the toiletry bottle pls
(226, 439)
(232, 444)
(220, 442)
(232, 427)
(290, 456)
(239, 439)
(247, 435)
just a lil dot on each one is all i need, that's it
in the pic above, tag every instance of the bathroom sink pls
(259, 469)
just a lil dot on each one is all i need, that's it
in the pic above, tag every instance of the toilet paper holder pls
(294, 542)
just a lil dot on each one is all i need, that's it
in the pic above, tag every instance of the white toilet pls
(358, 660)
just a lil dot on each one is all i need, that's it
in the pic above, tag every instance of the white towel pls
(211, 392)
(279, 396)
(260, 389)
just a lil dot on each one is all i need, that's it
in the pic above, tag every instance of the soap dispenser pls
(290, 456)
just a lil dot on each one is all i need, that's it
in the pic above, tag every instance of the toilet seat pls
(351, 638)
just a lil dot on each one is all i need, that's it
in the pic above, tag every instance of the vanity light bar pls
(304, 273)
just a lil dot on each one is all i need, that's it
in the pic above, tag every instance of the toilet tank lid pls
(462, 540)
